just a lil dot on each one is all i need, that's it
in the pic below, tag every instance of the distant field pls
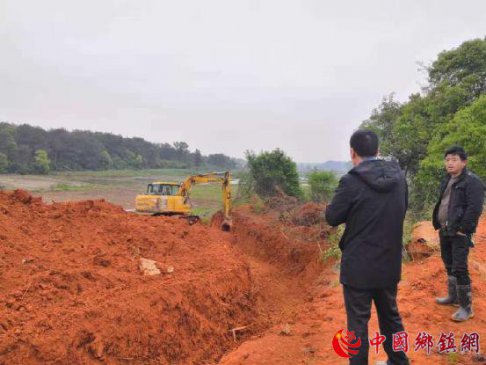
(116, 186)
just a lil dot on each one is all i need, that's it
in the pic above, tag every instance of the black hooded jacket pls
(371, 199)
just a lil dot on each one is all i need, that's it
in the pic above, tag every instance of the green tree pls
(411, 134)
(41, 162)
(456, 79)
(464, 66)
(322, 184)
(402, 129)
(8, 146)
(220, 160)
(382, 121)
(106, 161)
(198, 159)
(3, 162)
(467, 129)
(182, 151)
(134, 160)
(272, 171)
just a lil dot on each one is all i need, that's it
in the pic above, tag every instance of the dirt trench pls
(304, 333)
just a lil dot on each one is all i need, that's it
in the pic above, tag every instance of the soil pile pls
(72, 290)
(308, 214)
(424, 241)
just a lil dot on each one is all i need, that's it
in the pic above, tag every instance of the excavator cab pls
(171, 198)
(162, 189)
(162, 198)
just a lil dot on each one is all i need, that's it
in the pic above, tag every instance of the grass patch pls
(306, 192)
(333, 252)
(127, 173)
(452, 358)
(408, 224)
(335, 283)
(204, 213)
(209, 200)
(257, 204)
(211, 192)
(63, 186)
(67, 187)
(207, 192)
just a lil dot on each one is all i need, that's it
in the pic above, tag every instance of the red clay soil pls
(71, 291)
(308, 214)
(424, 241)
(305, 334)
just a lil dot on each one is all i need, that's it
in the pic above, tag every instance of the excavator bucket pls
(219, 220)
(227, 225)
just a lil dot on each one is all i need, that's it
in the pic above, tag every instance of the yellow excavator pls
(171, 198)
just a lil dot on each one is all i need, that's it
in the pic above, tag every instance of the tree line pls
(28, 149)
(449, 110)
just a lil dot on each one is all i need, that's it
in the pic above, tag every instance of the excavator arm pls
(224, 178)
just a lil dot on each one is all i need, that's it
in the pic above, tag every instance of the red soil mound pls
(71, 291)
(308, 214)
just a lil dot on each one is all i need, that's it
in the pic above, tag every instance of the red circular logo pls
(346, 345)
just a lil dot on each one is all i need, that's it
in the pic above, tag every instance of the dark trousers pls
(358, 310)
(454, 250)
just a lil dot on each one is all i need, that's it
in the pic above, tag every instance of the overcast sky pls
(224, 76)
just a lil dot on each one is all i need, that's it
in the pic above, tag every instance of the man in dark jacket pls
(456, 216)
(372, 200)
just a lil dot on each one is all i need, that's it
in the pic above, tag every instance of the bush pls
(246, 186)
(333, 251)
(272, 172)
(257, 205)
(322, 185)
(42, 164)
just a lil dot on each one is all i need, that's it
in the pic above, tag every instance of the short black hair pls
(456, 150)
(364, 142)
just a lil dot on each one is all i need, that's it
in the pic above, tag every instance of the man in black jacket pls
(456, 216)
(372, 200)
